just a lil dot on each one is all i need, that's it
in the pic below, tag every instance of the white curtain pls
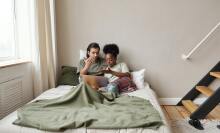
(35, 22)
(43, 43)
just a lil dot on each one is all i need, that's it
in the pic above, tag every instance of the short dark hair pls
(92, 45)
(111, 49)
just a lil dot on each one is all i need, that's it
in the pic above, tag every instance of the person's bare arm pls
(84, 71)
(118, 74)
(88, 63)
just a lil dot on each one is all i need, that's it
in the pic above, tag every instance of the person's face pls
(110, 60)
(94, 52)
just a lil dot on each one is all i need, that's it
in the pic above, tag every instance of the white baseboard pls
(174, 101)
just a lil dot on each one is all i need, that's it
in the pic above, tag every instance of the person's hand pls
(89, 61)
(107, 70)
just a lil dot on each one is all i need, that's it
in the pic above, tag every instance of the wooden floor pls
(179, 112)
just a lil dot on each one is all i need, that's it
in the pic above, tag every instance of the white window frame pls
(15, 55)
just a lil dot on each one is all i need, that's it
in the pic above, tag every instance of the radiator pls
(11, 96)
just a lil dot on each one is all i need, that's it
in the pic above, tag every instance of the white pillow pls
(82, 54)
(138, 78)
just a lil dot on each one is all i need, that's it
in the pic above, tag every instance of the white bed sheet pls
(6, 125)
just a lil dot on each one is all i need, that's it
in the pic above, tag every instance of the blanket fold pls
(85, 107)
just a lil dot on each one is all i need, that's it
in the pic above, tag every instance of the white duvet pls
(6, 125)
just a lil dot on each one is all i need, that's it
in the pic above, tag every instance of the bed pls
(6, 125)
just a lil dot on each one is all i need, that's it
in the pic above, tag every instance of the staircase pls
(202, 87)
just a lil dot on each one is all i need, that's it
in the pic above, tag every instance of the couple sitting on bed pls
(119, 78)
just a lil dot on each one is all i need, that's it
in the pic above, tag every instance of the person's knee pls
(112, 88)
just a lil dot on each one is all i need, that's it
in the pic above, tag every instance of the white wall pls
(151, 34)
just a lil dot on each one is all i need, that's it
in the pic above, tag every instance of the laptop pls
(95, 82)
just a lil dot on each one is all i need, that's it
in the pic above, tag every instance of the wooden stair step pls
(189, 105)
(215, 74)
(205, 90)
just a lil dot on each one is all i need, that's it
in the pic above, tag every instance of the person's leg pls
(125, 84)
(112, 87)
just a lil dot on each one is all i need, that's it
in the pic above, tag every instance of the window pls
(7, 30)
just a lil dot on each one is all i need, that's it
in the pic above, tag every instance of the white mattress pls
(6, 125)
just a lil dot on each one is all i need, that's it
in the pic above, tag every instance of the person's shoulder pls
(124, 67)
(122, 64)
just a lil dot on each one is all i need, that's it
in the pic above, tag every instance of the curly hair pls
(111, 49)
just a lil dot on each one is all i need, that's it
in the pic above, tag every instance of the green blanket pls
(84, 107)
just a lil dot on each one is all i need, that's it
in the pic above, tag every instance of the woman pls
(93, 63)
(117, 73)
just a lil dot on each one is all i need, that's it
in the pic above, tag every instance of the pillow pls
(69, 76)
(138, 78)
(82, 54)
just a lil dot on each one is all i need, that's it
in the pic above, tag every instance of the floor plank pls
(165, 113)
(173, 113)
(216, 113)
(217, 108)
(183, 111)
(179, 112)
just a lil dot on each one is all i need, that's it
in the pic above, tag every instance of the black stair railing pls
(205, 81)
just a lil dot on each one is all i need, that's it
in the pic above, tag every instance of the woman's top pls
(119, 67)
